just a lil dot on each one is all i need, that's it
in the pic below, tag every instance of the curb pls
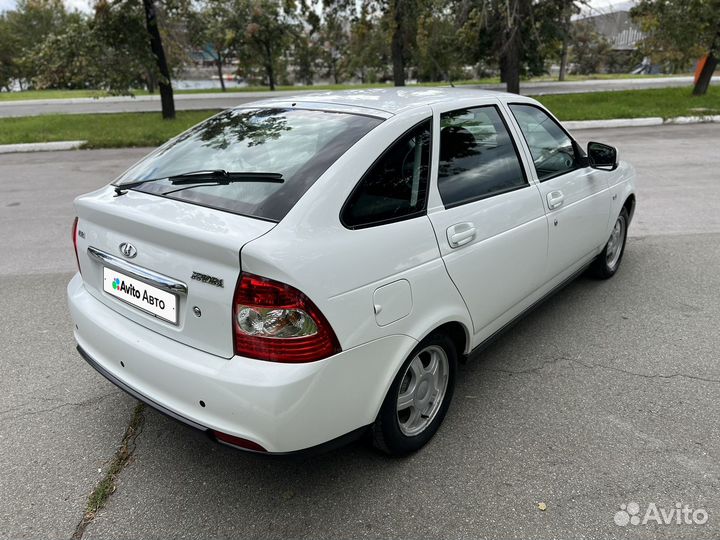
(639, 122)
(40, 147)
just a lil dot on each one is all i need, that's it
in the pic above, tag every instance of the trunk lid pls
(171, 241)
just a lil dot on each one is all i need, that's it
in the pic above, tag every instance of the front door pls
(575, 196)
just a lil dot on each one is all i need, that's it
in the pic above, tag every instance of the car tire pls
(411, 414)
(608, 261)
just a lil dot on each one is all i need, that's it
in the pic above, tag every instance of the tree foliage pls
(43, 45)
(589, 49)
(677, 32)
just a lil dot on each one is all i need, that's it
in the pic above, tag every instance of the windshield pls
(298, 144)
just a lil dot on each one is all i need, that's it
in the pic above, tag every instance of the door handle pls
(555, 199)
(460, 234)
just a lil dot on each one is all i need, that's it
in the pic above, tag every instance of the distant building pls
(614, 23)
(616, 26)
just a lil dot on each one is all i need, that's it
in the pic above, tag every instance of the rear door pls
(490, 226)
(576, 197)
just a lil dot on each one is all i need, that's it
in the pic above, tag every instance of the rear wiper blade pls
(221, 176)
(216, 176)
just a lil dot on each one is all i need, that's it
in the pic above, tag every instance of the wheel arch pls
(454, 328)
(458, 333)
(629, 205)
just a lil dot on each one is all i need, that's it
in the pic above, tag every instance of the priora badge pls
(127, 249)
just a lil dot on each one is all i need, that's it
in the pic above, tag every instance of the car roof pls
(387, 100)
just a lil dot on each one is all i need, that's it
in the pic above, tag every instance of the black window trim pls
(579, 155)
(521, 162)
(421, 212)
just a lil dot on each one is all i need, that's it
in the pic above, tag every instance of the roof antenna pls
(447, 73)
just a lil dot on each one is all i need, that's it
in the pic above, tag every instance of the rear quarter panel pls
(340, 269)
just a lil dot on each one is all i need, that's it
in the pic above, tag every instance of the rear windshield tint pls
(299, 144)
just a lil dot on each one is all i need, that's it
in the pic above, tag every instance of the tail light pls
(276, 322)
(75, 242)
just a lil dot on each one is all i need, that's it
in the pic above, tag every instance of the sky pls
(84, 5)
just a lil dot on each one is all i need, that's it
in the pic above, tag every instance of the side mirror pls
(602, 156)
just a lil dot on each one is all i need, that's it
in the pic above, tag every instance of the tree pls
(515, 35)
(334, 37)
(123, 58)
(708, 65)
(307, 54)
(494, 27)
(400, 21)
(26, 26)
(7, 56)
(438, 51)
(156, 46)
(306, 50)
(589, 49)
(511, 50)
(268, 33)
(367, 51)
(68, 59)
(214, 29)
(565, 38)
(679, 31)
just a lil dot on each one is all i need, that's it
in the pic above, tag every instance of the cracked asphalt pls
(606, 394)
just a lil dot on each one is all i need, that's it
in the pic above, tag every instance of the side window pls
(477, 156)
(395, 187)
(551, 148)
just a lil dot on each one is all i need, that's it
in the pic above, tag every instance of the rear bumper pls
(282, 407)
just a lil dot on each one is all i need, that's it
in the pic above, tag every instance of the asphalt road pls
(184, 102)
(604, 395)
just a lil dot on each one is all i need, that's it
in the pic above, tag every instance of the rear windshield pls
(299, 144)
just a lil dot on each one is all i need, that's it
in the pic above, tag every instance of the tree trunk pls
(512, 61)
(270, 75)
(708, 68)
(166, 91)
(219, 64)
(512, 48)
(269, 67)
(397, 46)
(563, 59)
(703, 81)
(565, 38)
(150, 81)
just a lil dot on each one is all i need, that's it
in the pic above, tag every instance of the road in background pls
(604, 395)
(186, 102)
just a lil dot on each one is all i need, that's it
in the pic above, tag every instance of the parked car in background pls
(294, 272)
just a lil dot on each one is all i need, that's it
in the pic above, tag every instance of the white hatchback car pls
(294, 272)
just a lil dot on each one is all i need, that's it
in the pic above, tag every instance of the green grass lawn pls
(664, 102)
(149, 129)
(49, 94)
(100, 130)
